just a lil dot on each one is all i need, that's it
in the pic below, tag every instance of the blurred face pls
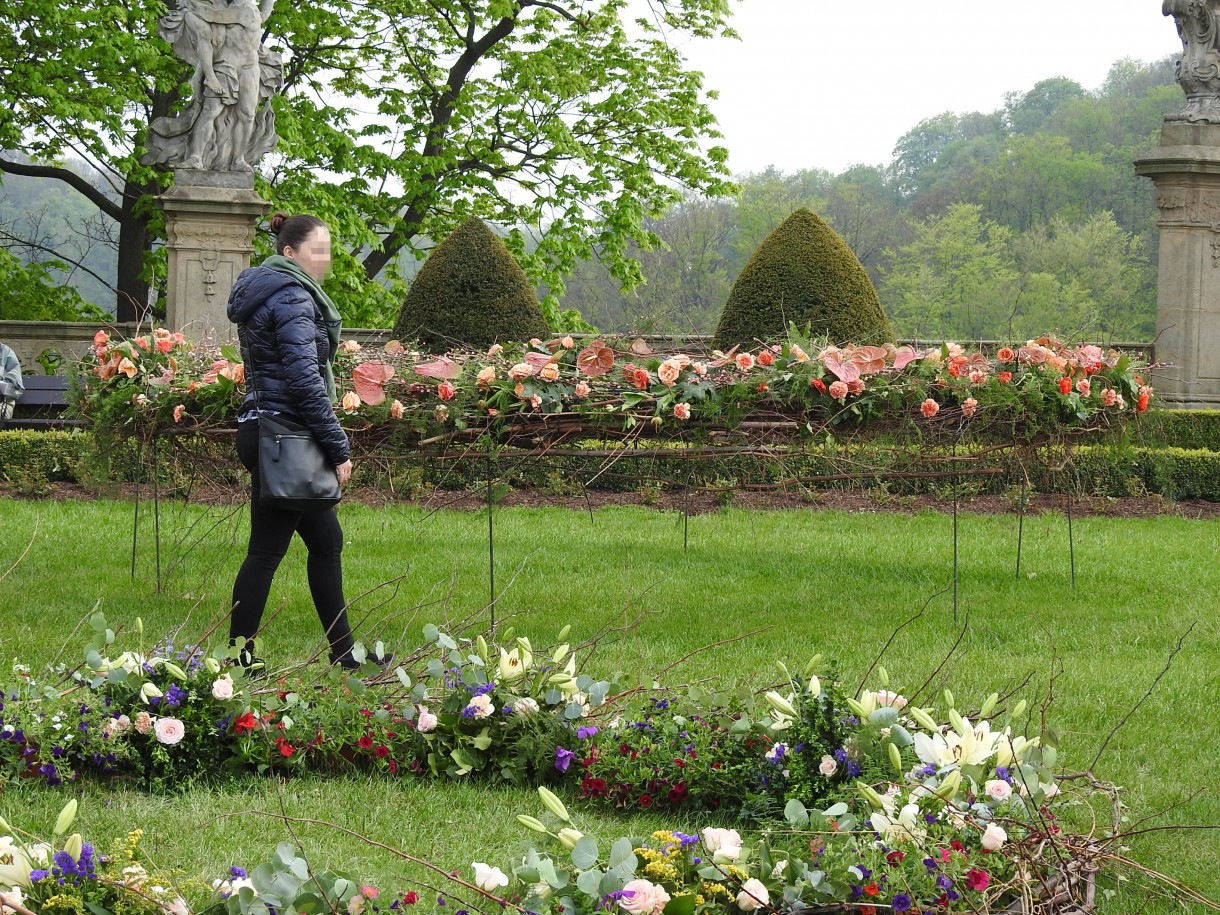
(313, 255)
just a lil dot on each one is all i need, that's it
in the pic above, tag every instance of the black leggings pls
(271, 532)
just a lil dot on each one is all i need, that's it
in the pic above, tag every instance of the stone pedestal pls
(1186, 171)
(210, 220)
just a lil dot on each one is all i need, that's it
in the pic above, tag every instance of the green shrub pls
(27, 455)
(803, 273)
(1190, 429)
(470, 291)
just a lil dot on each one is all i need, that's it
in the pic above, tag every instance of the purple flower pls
(944, 882)
(586, 732)
(236, 871)
(563, 758)
(901, 902)
(39, 874)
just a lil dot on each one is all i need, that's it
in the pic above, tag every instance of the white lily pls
(905, 828)
(514, 664)
(973, 746)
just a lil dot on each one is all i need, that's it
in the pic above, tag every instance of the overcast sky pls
(832, 83)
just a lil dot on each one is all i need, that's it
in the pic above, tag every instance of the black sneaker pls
(254, 668)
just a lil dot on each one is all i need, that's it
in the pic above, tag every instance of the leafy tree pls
(1026, 112)
(803, 273)
(400, 119)
(470, 291)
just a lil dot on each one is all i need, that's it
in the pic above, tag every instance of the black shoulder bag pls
(294, 472)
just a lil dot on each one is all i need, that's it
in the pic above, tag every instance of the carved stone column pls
(210, 220)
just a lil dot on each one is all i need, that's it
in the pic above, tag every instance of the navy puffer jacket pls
(283, 342)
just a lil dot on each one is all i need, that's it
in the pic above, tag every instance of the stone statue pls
(1198, 71)
(229, 124)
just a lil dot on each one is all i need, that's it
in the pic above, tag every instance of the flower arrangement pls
(1043, 386)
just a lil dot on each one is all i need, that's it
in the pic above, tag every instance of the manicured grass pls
(828, 582)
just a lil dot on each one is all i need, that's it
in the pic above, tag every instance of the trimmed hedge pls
(30, 460)
(1191, 429)
(471, 291)
(803, 273)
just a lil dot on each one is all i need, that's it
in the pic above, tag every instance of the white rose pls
(169, 731)
(1049, 790)
(828, 766)
(488, 879)
(426, 721)
(222, 688)
(753, 895)
(177, 907)
(994, 837)
(642, 897)
(482, 706)
(715, 839)
(998, 790)
(526, 706)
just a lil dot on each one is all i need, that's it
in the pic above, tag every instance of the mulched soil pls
(698, 503)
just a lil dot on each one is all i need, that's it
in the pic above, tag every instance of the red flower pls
(245, 723)
(954, 369)
(365, 742)
(894, 858)
(680, 763)
(870, 889)
(692, 754)
(645, 800)
(762, 387)
(1142, 404)
(411, 898)
(958, 846)
(286, 749)
(868, 910)
(382, 751)
(366, 713)
(1005, 377)
(1065, 385)
(717, 765)
(818, 385)
(678, 793)
(977, 879)
(624, 749)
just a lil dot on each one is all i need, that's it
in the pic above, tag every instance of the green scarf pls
(330, 314)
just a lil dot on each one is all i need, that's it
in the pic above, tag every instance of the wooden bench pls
(42, 404)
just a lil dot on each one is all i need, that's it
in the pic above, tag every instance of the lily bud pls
(884, 676)
(150, 691)
(780, 704)
(856, 709)
(560, 653)
(5, 827)
(559, 679)
(896, 758)
(531, 823)
(870, 795)
(139, 626)
(569, 837)
(175, 670)
(814, 664)
(508, 633)
(64, 821)
(959, 724)
(563, 633)
(1019, 710)
(211, 665)
(922, 718)
(73, 845)
(948, 788)
(949, 699)
(989, 705)
(553, 804)
(815, 687)
(480, 645)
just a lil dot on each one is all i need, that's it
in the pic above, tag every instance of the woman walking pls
(289, 332)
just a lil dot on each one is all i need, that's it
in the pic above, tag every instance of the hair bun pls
(278, 220)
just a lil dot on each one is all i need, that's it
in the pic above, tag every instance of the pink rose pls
(998, 790)
(446, 391)
(169, 731)
(582, 389)
(396, 409)
(426, 721)
(828, 766)
(642, 897)
(668, 372)
(969, 407)
(744, 361)
(994, 837)
(178, 412)
(1084, 387)
(495, 350)
(929, 408)
(143, 722)
(838, 390)
(977, 377)
(753, 895)
(682, 411)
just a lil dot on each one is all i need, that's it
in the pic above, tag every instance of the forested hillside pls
(1004, 224)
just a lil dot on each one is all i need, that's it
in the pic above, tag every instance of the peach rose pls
(520, 371)
(766, 357)
(797, 353)
(396, 409)
(978, 376)
(682, 411)
(1084, 387)
(969, 407)
(582, 389)
(486, 376)
(100, 338)
(744, 361)
(495, 350)
(668, 372)
(567, 343)
(838, 390)
(351, 402)
(350, 346)
(1005, 354)
(446, 391)
(549, 372)
(929, 408)
(179, 411)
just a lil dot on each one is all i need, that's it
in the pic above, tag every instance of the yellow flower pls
(660, 871)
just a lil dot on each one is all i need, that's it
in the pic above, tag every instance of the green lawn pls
(828, 582)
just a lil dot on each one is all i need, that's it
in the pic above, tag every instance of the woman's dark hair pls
(291, 231)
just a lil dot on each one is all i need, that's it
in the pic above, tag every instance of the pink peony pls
(682, 411)
(838, 390)
(929, 408)
(642, 897)
(169, 731)
(426, 721)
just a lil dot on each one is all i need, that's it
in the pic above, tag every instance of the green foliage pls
(470, 291)
(803, 273)
(33, 455)
(32, 292)
(1188, 429)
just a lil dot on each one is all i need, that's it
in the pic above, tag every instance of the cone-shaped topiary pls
(470, 290)
(805, 273)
